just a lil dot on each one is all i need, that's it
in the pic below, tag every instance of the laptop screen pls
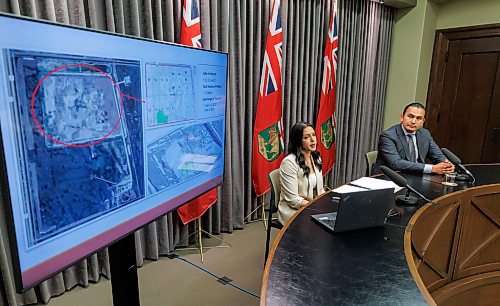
(358, 210)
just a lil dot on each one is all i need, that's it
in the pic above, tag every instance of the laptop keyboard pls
(327, 220)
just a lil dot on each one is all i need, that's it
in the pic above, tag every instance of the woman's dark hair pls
(295, 144)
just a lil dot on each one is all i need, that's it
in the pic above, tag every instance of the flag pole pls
(199, 232)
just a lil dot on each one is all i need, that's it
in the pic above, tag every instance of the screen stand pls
(124, 282)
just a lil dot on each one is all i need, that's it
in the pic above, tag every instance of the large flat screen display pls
(101, 134)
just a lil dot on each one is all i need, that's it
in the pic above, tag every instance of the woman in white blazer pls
(300, 172)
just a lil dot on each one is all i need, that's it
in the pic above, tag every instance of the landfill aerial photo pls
(80, 137)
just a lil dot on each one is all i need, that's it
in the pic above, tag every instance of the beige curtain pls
(238, 27)
(365, 29)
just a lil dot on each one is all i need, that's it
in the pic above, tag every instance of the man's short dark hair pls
(413, 104)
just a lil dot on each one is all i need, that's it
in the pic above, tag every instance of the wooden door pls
(463, 103)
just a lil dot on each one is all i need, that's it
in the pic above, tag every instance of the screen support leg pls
(124, 282)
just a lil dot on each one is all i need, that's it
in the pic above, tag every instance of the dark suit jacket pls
(393, 150)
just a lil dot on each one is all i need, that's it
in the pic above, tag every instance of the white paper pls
(348, 188)
(373, 184)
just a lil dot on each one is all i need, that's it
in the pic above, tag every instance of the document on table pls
(348, 188)
(373, 184)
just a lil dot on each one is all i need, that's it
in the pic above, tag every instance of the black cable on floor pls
(175, 256)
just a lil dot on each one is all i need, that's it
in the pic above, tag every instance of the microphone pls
(402, 182)
(456, 161)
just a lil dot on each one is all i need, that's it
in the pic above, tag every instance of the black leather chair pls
(274, 180)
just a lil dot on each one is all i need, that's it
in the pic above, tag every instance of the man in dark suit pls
(406, 146)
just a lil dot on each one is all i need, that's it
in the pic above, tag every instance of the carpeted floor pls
(186, 281)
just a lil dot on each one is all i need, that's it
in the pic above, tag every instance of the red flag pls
(325, 123)
(197, 207)
(191, 36)
(268, 131)
(191, 27)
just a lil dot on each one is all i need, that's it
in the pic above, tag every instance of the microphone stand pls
(408, 187)
(402, 182)
(407, 199)
(467, 176)
(462, 177)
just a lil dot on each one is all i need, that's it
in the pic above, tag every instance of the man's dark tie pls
(413, 154)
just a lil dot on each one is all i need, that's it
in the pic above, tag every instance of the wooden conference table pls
(309, 265)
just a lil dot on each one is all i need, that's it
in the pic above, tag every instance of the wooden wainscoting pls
(453, 247)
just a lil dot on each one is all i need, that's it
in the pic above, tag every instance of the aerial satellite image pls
(184, 153)
(80, 138)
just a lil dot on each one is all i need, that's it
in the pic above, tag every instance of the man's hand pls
(443, 167)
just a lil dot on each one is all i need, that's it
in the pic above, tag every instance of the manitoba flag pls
(191, 36)
(268, 130)
(325, 123)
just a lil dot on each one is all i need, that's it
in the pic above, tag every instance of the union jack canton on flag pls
(191, 29)
(267, 152)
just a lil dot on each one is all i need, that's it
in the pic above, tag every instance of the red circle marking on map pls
(39, 126)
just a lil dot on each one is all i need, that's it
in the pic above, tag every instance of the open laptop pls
(357, 210)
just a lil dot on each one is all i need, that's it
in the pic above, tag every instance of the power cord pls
(223, 280)
(393, 213)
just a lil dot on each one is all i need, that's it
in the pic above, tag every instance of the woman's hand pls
(305, 201)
